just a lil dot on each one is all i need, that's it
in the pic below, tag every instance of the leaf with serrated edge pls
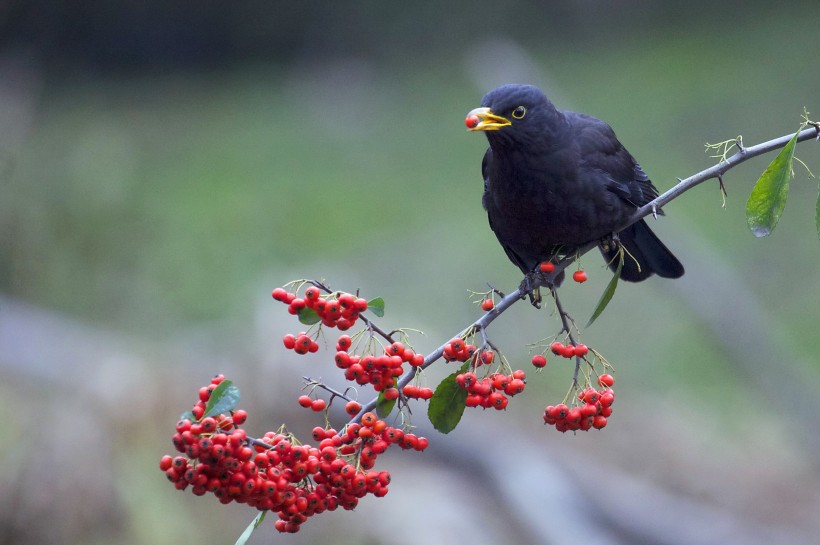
(376, 306)
(768, 198)
(224, 398)
(606, 297)
(384, 406)
(257, 520)
(308, 316)
(448, 402)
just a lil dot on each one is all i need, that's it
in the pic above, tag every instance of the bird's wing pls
(488, 157)
(603, 154)
(485, 164)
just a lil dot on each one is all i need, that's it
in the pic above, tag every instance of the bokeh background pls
(164, 165)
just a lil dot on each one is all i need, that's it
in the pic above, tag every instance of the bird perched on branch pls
(556, 180)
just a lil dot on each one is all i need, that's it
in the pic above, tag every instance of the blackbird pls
(556, 180)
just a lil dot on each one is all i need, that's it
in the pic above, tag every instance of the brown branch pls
(716, 171)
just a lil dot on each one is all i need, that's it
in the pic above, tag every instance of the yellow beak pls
(483, 119)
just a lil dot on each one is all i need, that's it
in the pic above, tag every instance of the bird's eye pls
(519, 112)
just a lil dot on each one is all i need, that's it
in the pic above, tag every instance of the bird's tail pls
(645, 255)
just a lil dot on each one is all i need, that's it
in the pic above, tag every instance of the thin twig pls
(538, 280)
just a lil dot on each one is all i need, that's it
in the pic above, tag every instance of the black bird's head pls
(513, 114)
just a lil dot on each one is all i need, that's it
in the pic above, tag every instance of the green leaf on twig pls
(606, 297)
(308, 316)
(448, 402)
(257, 520)
(223, 399)
(384, 406)
(376, 306)
(768, 198)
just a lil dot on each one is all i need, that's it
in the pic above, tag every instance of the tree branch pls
(716, 171)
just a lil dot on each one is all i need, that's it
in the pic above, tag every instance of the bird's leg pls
(530, 285)
(612, 242)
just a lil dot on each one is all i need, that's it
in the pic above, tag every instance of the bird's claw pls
(533, 292)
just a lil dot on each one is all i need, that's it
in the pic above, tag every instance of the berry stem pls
(334, 393)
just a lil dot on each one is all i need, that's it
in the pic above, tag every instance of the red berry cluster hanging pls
(492, 390)
(593, 408)
(380, 371)
(276, 473)
(459, 350)
(340, 311)
(569, 350)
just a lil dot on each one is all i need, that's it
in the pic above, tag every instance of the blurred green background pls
(164, 165)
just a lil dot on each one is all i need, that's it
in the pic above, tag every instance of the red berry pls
(487, 305)
(411, 391)
(557, 348)
(391, 393)
(280, 294)
(516, 386)
(606, 380)
(369, 419)
(425, 393)
(547, 266)
(599, 422)
(472, 121)
(318, 405)
(568, 351)
(305, 401)
(539, 360)
(344, 342)
(579, 276)
(581, 350)
(166, 462)
(239, 417)
(289, 341)
(347, 301)
(607, 399)
(352, 408)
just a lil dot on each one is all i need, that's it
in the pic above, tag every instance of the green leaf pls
(223, 399)
(376, 306)
(384, 406)
(448, 402)
(187, 415)
(257, 520)
(768, 198)
(606, 297)
(308, 316)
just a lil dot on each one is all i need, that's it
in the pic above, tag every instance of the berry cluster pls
(276, 473)
(340, 311)
(569, 350)
(592, 412)
(491, 391)
(459, 350)
(417, 392)
(379, 371)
